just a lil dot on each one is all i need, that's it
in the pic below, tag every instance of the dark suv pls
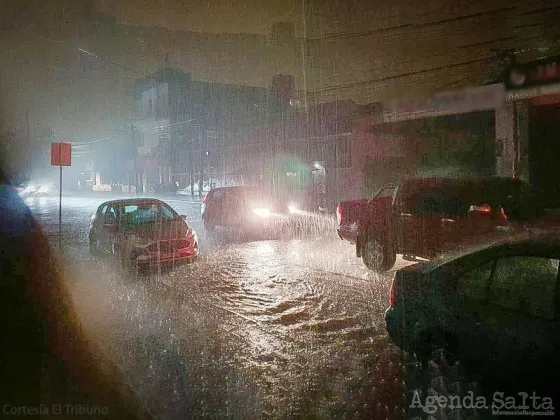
(249, 209)
(498, 308)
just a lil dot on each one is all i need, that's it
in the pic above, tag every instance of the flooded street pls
(272, 328)
(266, 145)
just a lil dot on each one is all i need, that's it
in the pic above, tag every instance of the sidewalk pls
(108, 195)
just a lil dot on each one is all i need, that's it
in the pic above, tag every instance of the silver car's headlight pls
(261, 212)
(293, 208)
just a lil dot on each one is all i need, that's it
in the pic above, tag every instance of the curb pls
(117, 195)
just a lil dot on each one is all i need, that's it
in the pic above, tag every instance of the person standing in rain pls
(48, 365)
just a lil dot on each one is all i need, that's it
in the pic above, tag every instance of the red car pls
(142, 232)
(424, 217)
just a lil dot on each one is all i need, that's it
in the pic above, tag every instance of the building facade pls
(195, 135)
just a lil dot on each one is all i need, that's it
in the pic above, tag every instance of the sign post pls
(61, 155)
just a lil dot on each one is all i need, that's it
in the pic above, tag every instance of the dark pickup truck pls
(424, 217)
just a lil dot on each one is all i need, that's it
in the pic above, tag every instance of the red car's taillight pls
(339, 215)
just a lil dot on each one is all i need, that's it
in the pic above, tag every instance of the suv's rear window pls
(445, 202)
(517, 198)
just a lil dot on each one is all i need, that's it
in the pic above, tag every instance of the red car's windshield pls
(142, 213)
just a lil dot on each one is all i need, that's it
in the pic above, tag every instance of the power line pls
(385, 78)
(97, 56)
(544, 9)
(398, 76)
(408, 25)
(109, 61)
(342, 35)
(166, 124)
(87, 143)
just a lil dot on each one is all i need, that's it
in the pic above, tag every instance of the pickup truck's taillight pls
(339, 215)
(502, 218)
(484, 209)
(392, 294)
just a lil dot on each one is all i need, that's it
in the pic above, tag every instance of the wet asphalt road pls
(285, 328)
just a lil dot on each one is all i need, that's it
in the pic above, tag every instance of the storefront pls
(449, 134)
(544, 144)
(533, 90)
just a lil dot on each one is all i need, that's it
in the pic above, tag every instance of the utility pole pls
(191, 169)
(304, 65)
(202, 161)
(515, 137)
(27, 125)
(135, 151)
(1, 101)
(28, 129)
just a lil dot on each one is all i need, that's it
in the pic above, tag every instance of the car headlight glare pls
(261, 212)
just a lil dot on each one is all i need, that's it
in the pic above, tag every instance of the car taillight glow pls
(392, 295)
(339, 215)
(484, 209)
(503, 217)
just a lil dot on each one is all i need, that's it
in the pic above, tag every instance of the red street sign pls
(61, 154)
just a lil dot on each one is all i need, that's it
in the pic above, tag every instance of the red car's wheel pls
(94, 246)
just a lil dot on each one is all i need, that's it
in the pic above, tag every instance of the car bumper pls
(397, 331)
(347, 234)
(269, 224)
(287, 224)
(178, 257)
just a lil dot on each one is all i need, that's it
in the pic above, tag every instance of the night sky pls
(215, 16)
(364, 50)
